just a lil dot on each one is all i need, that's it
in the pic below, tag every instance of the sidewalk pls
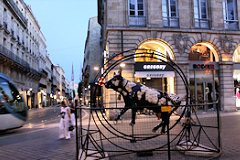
(42, 143)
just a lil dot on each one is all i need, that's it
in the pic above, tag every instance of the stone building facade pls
(93, 57)
(23, 53)
(201, 36)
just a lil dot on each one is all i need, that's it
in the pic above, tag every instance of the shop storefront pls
(42, 96)
(236, 75)
(204, 75)
(153, 72)
(157, 75)
(209, 69)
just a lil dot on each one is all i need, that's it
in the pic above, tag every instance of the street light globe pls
(95, 68)
(122, 65)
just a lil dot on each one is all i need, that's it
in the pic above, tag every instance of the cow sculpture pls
(137, 96)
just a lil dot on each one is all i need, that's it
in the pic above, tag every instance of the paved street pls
(38, 139)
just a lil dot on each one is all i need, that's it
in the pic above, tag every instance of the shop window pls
(170, 13)
(156, 51)
(201, 14)
(201, 52)
(236, 75)
(230, 14)
(137, 13)
(236, 55)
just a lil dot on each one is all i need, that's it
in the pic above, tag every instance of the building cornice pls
(177, 30)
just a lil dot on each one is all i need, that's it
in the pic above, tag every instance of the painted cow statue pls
(137, 96)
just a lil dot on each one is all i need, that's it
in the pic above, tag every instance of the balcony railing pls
(10, 55)
(45, 72)
(139, 21)
(202, 23)
(231, 24)
(35, 72)
(17, 12)
(171, 22)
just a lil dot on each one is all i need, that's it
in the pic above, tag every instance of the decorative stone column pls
(180, 86)
(228, 102)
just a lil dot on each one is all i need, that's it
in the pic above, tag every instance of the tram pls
(13, 112)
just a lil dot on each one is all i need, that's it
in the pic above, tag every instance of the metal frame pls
(187, 140)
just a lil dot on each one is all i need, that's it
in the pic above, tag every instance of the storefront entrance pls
(205, 92)
(153, 71)
(236, 75)
(203, 76)
(204, 88)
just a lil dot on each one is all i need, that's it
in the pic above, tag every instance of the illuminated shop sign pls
(149, 66)
(204, 66)
(153, 74)
(152, 66)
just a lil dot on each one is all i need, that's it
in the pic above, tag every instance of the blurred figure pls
(65, 121)
(72, 110)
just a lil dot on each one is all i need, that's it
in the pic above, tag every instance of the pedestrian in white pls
(72, 110)
(65, 121)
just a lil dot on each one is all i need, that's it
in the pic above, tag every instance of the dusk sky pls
(64, 24)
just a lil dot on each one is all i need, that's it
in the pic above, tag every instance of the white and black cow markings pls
(135, 94)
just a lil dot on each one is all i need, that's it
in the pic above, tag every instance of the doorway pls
(204, 90)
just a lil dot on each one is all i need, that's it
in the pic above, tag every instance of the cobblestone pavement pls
(38, 139)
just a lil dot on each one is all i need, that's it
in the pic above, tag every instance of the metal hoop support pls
(189, 132)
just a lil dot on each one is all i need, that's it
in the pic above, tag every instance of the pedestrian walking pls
(65, 121)
(72, 110)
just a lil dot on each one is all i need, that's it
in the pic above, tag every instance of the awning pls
(155, 74)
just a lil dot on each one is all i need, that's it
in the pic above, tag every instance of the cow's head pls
(114, 82)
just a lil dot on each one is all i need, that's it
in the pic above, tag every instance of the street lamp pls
(122, 65)
(95, 68)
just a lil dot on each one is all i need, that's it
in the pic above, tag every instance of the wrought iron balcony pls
(11, 4)
(45, 73)
(171, 22)
(202, 23)
(231, 24)
(139, 21)
(35, 72)
(18, 61)
(10, 55)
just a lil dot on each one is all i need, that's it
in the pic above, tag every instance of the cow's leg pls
(121, 113)
(159, 115)
(134, 110)
(165, 121)
(157, 127)
(127, 102)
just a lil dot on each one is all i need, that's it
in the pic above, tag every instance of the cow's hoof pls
(154, 131)
(162, 133)
(131, 124)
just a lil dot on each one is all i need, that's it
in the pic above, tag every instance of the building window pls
(201, 14)
(230, 14)
(170, 13)
(136, 13)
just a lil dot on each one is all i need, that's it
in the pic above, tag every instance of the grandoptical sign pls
(204, 66)
(153, 70)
